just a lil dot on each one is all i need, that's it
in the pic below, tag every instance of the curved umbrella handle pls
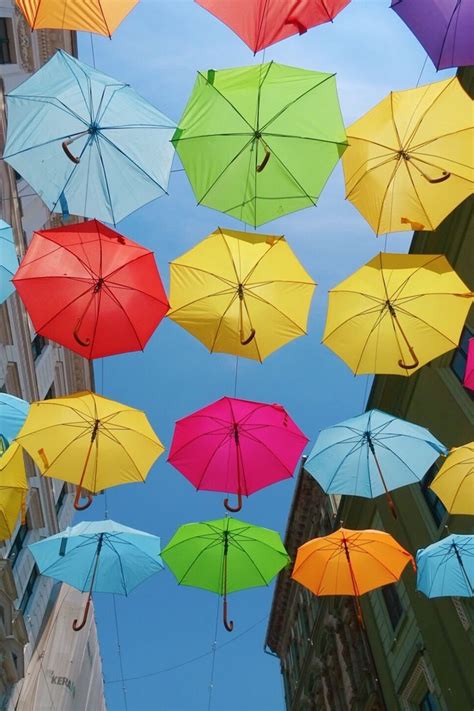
(86, 342)
(76, 626)
(228, 624)
(234, 509)
(246, 341)
(264, 162)
(66, 150)
(445, 175)
(409, 366)
(77, 499)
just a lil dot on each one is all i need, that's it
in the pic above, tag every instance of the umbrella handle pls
(66, 150)
(78, 626)
(246, 341)
(445, 175)
(77, 499)
(409, 366)
(264, 162)
(234, 509)
(86, 342)
(228, 624)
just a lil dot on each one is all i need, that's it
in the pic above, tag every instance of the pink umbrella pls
(236, 446)
(469, 373)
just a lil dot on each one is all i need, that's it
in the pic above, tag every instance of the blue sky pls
(158, 50)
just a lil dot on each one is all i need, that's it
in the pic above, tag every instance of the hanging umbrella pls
(396, 313)
(88, 144)
(410, 159)
(264, 22)
(372, 454)
(236, 446)
(100, 16)
(89, 441)
(443, 27)
(259, 142)
(108, 295)
(8, 260)
(224, 556)
(13, 412)
(454, 483)
(350, 563)
(469, 373)
(13, 489)
(98, 556)
(240, 293)
(446, 568)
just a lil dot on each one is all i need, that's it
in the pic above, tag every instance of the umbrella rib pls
(69, 66)
(366, 312)
(427, 110)
(374, 328)
(418, 318)
(130, 160)
(396, 294)
(335, 552)
(245, 433)
(260, 259)
(408, 168)
(107, 187)
(203, 271)
(241, 548)
(294, 180)
(52, 101)
(108, 433)
(212, 544)
(39, 145)
(390, 184)
(369, 170)
(237, 155)
(221, 320)
(307, 138)
(200, 298)
(117, 286)
(414, 148)
(257, 297)
(227, 101)
(190, 442)
(87, 144)
(53, 461)
(119, 559)
(237, 275)
(208, 464)
(114, 298)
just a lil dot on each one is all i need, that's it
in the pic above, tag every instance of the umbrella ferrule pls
(98, 285)
(391, 308)
(226, 542)
(236, 433)
(95, 430)
(240, 291)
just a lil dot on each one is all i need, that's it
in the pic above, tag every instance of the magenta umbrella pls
(469, 372)
(236, 446)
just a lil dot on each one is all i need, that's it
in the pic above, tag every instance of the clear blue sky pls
(158, 50)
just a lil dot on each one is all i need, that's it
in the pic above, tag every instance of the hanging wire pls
(236, 375)
(422, 70)
(92, 49)
(213, 652)
(119, 649)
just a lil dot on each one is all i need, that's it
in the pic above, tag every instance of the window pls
(392, 603)
(459, 359)
(30, 585)
(17, 544)
(6, 41)
(37, 345)
(51, 393)
(62, 495)
(435, 505)
(428, 703)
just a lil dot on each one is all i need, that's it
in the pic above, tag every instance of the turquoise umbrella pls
(88, 144)
(13, 412)
(8, 261)
(99, 556)
(446, 568)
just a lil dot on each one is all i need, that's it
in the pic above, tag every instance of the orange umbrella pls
(100, 16)
(350, 563)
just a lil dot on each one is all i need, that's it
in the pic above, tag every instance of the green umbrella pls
(259, 142)
(224, 556)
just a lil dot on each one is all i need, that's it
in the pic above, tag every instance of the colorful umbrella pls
(261, 23)
(101, 16)
(454, 483)
(396, 313)
(372, 454)
(224, 556)
(99, 556)
(89, 441)
(13, 412)
(13, 489)
(108, 295)
(409, 162)
(88, 144)
(469, 373)
(446, 568)
(443, 27)
(259, 142)
(240, 293)
(350, 563)
(8, 260)
(236, 446)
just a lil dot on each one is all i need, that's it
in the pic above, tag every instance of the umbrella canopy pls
(264, 22)
(90, 441)
(239, 293)
(446, 568)
(469, 373)
(372, 454)
(454, 483)
(100, 16)
(108, 295)
(236, 446)
(409, 161)
(443, 28)
(8, 260)
(99, 556)
(224, 556)
(13, 412)
(88, 144)
(396, 313)
(13, 489)
(259, 142)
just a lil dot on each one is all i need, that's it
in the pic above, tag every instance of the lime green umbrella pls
(259, 142)
(224, 556)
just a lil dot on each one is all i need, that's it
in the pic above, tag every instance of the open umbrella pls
(409, 161)
(396, 313)
(350, 562)
(261, 141)
(236, 446)
(469, 373)
(86, 143)
(443, 27)
(98, 556)
(224, 556)
(240, 293)
(454, 483)
(13, 412)
(90, 441)
(8, 260)
(13, 489)
(108, 295)
(446, 568)
(100, 16)
(372, 454)
(260, 23)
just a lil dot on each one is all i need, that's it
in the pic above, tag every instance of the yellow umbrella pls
(101, 16)
(13, 488)
(454, 483)
(396, 313)
(410, 159)
(241, 293)
(89, 441)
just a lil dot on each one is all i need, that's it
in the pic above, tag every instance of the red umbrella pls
(236, 446)
(91, 290)
(261, 23)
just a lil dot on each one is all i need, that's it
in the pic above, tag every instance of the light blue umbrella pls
(99, 556)
(372, 454)
(13, 412)
(88, 144)
(8, 261)
(446, 568)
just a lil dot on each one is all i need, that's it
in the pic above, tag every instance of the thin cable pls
(119, 649)
(92, 49)
(213, 652)
(422, 70)
(236, 375)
